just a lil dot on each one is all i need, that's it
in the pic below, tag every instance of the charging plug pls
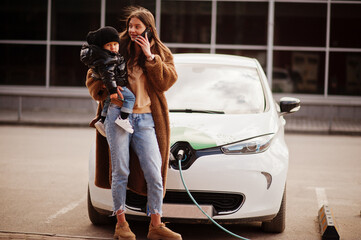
(180, 154)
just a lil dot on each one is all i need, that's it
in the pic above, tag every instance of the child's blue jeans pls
(128, 103)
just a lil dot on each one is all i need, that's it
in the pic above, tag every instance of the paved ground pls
(38, 164)
(39, 236)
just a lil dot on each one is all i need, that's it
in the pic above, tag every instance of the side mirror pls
(289, 105)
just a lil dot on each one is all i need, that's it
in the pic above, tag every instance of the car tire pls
(95, 217)
(277, 224)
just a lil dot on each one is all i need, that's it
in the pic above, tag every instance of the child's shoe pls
(100, 127)
(125, 124)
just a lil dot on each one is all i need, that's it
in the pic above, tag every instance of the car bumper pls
(244, 175)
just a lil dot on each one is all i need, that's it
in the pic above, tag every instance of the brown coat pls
(161, 75)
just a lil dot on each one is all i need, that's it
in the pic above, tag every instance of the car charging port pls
(182, 151)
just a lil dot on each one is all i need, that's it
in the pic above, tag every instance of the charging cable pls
(180, 157)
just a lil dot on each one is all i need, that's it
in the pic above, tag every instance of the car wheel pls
(95, 217)
(278, 224)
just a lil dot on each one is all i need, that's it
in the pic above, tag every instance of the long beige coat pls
(161, 75)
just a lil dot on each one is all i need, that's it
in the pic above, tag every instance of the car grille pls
(223, 203)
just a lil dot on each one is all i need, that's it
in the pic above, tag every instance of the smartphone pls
(149, 34)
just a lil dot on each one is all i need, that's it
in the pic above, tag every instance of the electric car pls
(227, 138)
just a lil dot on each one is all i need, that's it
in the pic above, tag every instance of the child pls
(102, 55)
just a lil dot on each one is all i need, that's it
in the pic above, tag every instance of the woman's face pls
(135, 28)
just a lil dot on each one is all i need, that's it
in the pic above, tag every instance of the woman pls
(151, 72)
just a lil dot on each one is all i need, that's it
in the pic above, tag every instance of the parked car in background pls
(307, 65)
(223, 116)
(282, 81)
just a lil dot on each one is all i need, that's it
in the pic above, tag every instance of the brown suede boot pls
(123, 232)
(161, 232)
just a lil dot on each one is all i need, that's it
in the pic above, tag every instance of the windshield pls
(223, 88)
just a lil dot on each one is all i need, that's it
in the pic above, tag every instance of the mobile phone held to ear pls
(149, 34)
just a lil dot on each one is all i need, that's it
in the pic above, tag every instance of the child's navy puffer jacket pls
(111, 67)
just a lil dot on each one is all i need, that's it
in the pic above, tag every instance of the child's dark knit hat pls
(102, 36)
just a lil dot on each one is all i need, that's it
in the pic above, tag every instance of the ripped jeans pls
(144, 142)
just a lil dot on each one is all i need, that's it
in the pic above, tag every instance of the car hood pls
(211, 130)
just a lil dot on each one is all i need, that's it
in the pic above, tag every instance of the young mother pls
(143, 170)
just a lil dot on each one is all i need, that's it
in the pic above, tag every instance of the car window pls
(224, 88)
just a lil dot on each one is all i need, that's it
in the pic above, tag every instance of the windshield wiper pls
(187, 110)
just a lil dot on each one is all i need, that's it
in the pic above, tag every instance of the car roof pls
(209, 58)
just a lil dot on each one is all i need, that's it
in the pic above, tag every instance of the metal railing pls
(22, 92)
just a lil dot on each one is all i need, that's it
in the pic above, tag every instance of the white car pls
(224, 118)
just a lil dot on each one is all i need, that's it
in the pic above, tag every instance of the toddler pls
(102, 55)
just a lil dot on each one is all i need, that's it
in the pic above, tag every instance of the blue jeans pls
(144, 142)
(128, 103)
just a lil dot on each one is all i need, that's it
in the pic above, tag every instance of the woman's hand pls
(144, 44)
(119, 89)
(114, 96)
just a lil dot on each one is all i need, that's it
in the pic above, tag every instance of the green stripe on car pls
(197, 139)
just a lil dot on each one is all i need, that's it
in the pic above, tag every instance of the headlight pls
(249, 146)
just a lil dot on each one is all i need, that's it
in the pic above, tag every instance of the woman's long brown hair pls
(127, 48)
